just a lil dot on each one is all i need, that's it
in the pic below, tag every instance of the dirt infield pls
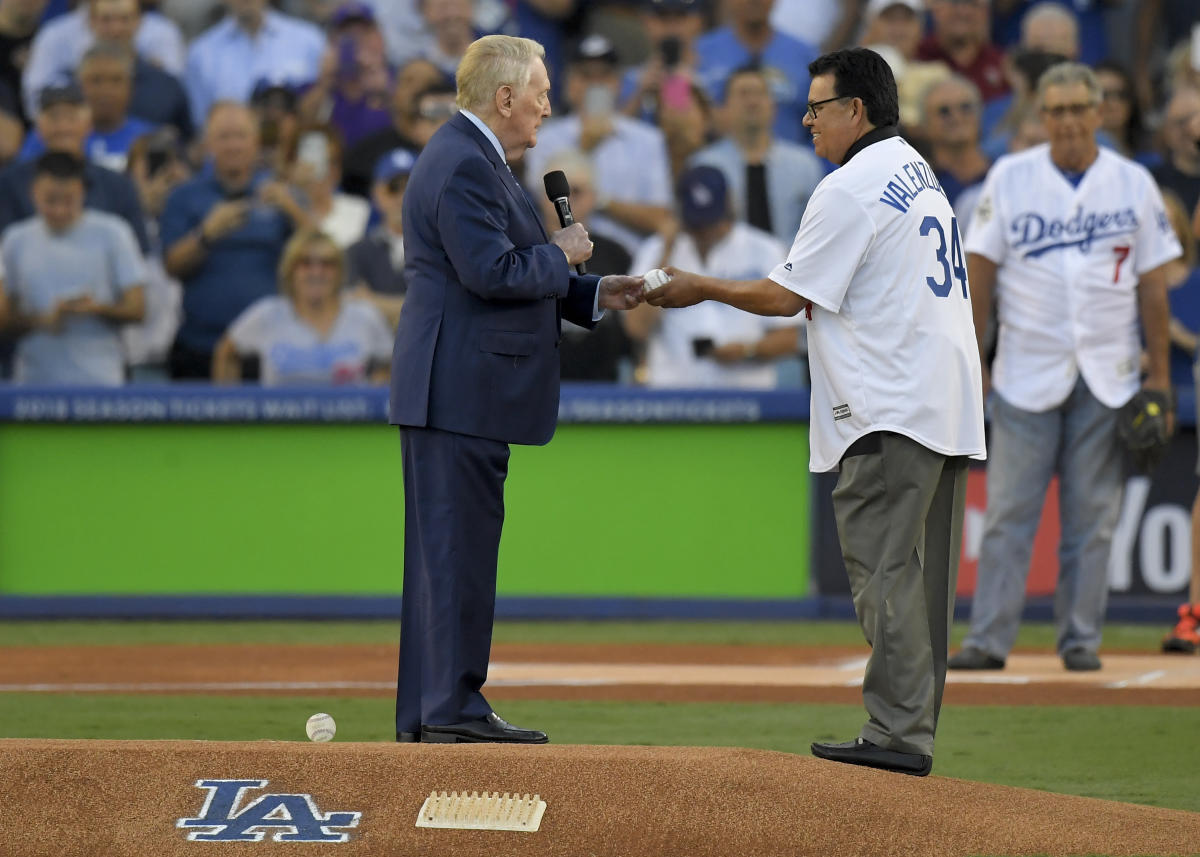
(668, 673)
(136, 798)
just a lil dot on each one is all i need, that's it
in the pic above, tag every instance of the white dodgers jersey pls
(891, 341)
(1069, 260)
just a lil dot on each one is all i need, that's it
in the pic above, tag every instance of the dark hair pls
(862, 73)
(1133, 135)
(59, 165)
(754, 68)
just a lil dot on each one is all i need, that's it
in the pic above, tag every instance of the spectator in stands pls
(897, 23)
(451, 24)
(950, 126)
(275, 108)
(315, 170)
(157, 166)
(223, 233)
(72, 276)
(770, 180)
(749, 38)
(824, 24)
(413, 79)
(1025, 68)
(252, 43)
(64, 124)
(711, 344)
(1051, 28)
(633, 177)
(960, 40)
(351, 91)
(688, 125)
(1180, 171)
(18, 25)
(435, 105)
(671, 27)
(158, 96)
(61, 44)
(311, 334)
(600, 354)
(106, 81)
(1121, 116)
(1162, 27)
(375, 264)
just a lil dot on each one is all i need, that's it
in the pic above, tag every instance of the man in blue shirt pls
(249, 45)
(223, 233)
(749, 39)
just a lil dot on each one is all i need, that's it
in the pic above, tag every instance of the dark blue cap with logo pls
(703, 196)
(398, 162)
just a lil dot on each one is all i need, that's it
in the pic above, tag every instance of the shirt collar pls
(872, 136)
(487, 132)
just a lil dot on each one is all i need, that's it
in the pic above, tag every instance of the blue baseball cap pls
(703, 197)
(398, 162)
(351, 10)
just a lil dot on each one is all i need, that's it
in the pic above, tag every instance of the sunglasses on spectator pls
(966, 108)
(316, 262)
(1058, 111)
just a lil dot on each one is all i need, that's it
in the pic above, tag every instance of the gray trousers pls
(899, 511)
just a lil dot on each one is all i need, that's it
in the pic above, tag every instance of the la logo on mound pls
(292, 817)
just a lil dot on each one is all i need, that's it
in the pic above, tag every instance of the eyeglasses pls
(434, 113)
(316, 262)
(813, 105)
(966, 108)
(1058, 111)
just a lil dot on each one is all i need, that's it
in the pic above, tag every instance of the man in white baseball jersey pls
(896, 396)
(1072, 238)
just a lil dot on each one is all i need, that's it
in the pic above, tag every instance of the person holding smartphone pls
(665, 77)
(633, 175)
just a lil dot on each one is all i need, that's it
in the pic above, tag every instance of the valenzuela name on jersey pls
(899, 194)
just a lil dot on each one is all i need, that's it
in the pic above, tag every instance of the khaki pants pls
(899, 509)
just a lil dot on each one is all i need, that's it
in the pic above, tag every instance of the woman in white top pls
(311, 334)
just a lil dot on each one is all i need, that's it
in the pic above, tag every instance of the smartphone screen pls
(598, 101)
(677, 92)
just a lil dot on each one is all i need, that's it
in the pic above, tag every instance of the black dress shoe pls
(863, 752)
(974, 659)
(492, 728)
(408, 737)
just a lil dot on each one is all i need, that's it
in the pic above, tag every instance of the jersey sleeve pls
(985, 235)
(834, 235)
(1155, 242)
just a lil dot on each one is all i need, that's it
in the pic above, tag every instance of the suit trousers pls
(453, 515)
(899, 510)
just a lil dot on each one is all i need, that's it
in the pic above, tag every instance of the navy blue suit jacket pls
(477, 346)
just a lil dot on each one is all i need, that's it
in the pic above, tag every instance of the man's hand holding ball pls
(679, 289)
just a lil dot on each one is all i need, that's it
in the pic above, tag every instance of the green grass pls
(1138, 754)
(804, 633)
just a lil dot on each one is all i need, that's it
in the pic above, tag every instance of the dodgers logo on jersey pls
(293, 817)
(1041, 235)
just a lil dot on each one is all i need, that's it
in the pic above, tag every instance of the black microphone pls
(558, 190)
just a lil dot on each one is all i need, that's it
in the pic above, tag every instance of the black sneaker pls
(1080, 660)
(974, 659)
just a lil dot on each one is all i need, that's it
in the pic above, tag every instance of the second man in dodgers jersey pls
(896, 390)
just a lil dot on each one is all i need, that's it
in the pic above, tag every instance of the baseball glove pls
(1143, 426)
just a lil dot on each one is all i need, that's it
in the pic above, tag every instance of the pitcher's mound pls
(168, 798)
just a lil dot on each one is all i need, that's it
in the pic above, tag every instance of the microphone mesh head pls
(557, 186)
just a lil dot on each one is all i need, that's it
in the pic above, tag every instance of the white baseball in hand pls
(654, 278)
(320, 727)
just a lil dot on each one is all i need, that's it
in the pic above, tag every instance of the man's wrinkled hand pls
(574, 242)
(619, 291)
(683, 289)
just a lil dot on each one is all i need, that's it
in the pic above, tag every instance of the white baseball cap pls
(874, 7)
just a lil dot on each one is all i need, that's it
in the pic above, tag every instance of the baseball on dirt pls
(654, 278)
(320, 727)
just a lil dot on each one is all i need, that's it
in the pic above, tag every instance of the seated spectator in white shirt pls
(62, 42)
(72, 277)
(251, 44)
(314, 167)
(375, 264)
(633, 174)
(312, 334)
(711, 344)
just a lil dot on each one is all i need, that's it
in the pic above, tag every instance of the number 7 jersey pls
(891, 341)
(1069, 258)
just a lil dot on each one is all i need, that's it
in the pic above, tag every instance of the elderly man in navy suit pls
(475, 368)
